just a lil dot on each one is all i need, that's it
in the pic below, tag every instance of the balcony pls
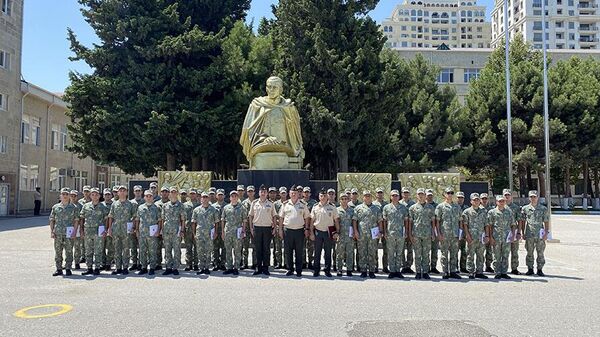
(588, 39)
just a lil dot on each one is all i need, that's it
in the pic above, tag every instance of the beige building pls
(429, 23)
(459, 66)
(571, 24)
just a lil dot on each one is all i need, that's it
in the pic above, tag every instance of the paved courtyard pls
(565, 303)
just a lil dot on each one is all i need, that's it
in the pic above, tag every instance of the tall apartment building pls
(570, 24)
(429, 23)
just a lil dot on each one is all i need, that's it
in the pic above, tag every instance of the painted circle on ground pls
(62, 309)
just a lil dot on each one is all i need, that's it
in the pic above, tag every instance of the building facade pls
(429, 23)
(570, 24)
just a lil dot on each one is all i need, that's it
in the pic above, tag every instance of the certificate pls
(240, 234)
(374, 232)
(153, 229)
(482, 238)
(101, 230)
(129, 227)
(70, 231)
(350, 231)
(509, 237)
(543, 231)
(460, 234)
(212, 234)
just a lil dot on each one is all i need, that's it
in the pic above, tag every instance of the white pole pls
(508, 100)
(548, 195)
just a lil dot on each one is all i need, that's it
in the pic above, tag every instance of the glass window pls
(25, 130)
(4, 59)
(7, 7)
(3, 144)
(29, 177)
(471, 73)
(3, 102)
(446, 76)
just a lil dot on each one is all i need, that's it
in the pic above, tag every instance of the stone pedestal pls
(275, 161)
(275, 178)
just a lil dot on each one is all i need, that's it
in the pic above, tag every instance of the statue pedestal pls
(273, 178)
(275, 161)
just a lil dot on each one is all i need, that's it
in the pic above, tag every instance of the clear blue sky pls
(46, 49)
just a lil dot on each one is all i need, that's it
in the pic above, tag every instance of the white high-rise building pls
(429, 23)
(570, 24)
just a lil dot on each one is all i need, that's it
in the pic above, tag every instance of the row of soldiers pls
(213, 231)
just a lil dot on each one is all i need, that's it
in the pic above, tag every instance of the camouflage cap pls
(460, 194)
(148, 192)
(220, 191)
(212, 189)
(107, 191)
(500, 197)
(183, 191)
(379, 190)
(87, 188)
(123, 187)
(272, 189)
(347, 191)
(95, 190)
(153, 184)
(74, 192)
(282, 189)
(164, 188)
(240, 187)
(65, 190)
(428, 191)
(115, 188)
(366, 192)
(233, 192)
(250, 188)
(405, 190)
(449, 189)
(533, 193)
(506, 191)
(483, 196)
(193, 191)
(204, 194)
(173, 189)
(299, 188)
(306, 189)
(331, 190)
(420, 191)
(137, 188)
(394, 192)
(354, 190)
(474, 196)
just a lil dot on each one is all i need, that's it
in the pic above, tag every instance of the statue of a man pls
(272, 125)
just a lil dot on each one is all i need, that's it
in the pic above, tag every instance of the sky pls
(46, 49)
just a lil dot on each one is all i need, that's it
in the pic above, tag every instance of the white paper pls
(212, 234)
(460, 234)
(434, 233)
(374, 232)
(101, 230)
(483, 238)
(403, 232)
(509, 237)
(78, 234)
(70, 231)
(350, 232)
(129, 227)
(153, 230)
(543, 231)
(239, 233)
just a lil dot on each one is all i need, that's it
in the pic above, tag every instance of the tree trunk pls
(342, 157)
(586, 179)
(196, 163)
(205, 164)
(596, 184)
(529, 179)
(567, 182)
(171, 163)
(542, 182)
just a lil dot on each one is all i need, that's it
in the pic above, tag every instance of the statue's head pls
(274, 87)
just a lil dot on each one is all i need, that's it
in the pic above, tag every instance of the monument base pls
(273, 178)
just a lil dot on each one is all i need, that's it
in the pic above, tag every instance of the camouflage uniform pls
(219, 242)
(148, 215)
(78, 244)
(449, 217)
(160, 242)
(384, 258)
(122, 213)
(108, 249)
(395, 217)
(205, 220)
(462, 244)
(514, 246)
(476, 220)
(63, 217)
(308, 243)
(422, 216)
(233, 218)
(534, 217)
(133, 238)
(191, 254)
(83, 201)
(367, 216)
(345, 244)
(489, 250)
(94, 216)
(435, 244)
(502, 222)
(277, 241)
(406, 257)
(172, 214)
(248, 240)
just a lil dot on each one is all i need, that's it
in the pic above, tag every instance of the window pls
(571, 25)
(3, 144)
(58, 177)
(115, 180)
(4, 59)
(102, 178)
(30, 130)
(7, 7)
(471, 73)
(59, 137)
(29, 177)
(446, 76)
(3, 102)
(537, 37)
(80, 178)
(25, 130)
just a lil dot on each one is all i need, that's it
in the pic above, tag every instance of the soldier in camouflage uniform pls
(407, 258)
(164, 198)
(448, 214)
(277, 241)
(476, 229)
(172, 229)
(395, 223)
(147, 215)
(367, 217)
(501, 222)
(120, 224)
(93, 215)
(134, 243)
(435, 244)
(219, 241)
(421, 229)
(536, 218)
(381, 203)
(78, 248)
(191, 254)
(514, 246)
(462, 242)
(233, 218)
(108, 249)
(308, 243)
(248, 240)
(63, 218)
(345, 243)
(489, 250)
(205, 220)
(86, 198)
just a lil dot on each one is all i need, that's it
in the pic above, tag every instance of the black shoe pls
(175, 272)
(497, 277)
(125, 272)
(392, 275)
(289, 273)
(96, 271)
(235, 272)
(540, 273)
(446, 276)
(481, 276)
(455, 276)
(316, 274)
(464, 270)
(68, 272)
(158, 268)
(434, 271)
(363, 274)
(216, 269)
(199, 272)
(252, 267)
(505, 276)
(471, 276)
(489, 270)
(228, 272)
(187, 269)
(196, 268)
(167, 271)
(328, 273)
(256, 272)
(266, 272)
(340, 274)
(134, 267)
(349, 273)
(206, 271)
(515, 272)
(88, 272)
(418, 276)
(376, 270)
(310, 266)
(82, 260)
(77, 266)
(529, 272)
(142, 271)
(407, 270)
(372, 274)
(57, 272)
(399, 275)
(305, 266)
(151, 272)
(116, 272)
(298, 274)
(222, 268)
(426, 276)
(106, 267)
(386, 270)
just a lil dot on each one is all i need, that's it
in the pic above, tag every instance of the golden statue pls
(271, 137)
